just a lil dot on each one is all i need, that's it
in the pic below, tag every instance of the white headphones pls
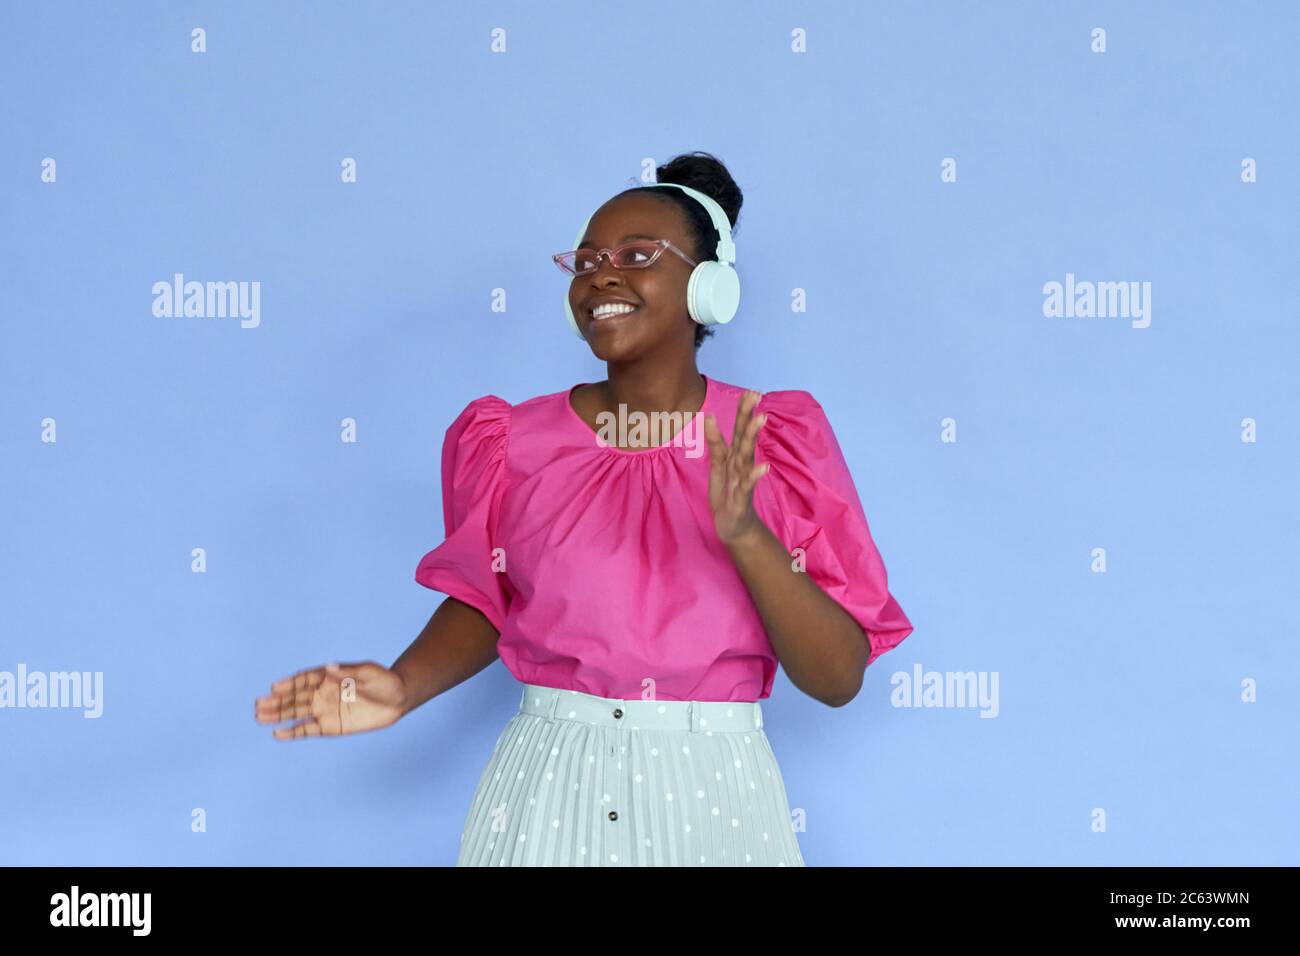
(713, 290)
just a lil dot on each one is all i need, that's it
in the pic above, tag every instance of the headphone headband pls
(726, 249)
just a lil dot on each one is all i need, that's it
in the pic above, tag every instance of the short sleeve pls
(809, 501)
(473, 481)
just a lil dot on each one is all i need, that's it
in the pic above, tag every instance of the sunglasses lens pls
(584, 260)
(634, 255)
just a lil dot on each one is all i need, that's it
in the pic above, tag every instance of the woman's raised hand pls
(332, 700)
(732, 472)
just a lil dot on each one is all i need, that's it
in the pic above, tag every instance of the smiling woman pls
(706, 202)
(639, 736)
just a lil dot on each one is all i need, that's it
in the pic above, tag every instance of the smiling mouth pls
(613, 316)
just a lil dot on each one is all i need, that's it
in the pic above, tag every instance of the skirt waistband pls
(696, 716)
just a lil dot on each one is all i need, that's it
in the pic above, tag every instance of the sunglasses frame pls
(661, 245)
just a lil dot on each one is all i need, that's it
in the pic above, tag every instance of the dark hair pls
(705, 173)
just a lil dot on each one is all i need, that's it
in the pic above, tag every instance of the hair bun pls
(707, 174)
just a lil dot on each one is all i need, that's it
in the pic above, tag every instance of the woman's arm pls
(457, 643)
(823, 650)
(336, 699)
(819, 644)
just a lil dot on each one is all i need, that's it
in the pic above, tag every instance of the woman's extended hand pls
(334, 699)
(732, 472)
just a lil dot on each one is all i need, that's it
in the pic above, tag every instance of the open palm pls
(732, 472)
(332, 700)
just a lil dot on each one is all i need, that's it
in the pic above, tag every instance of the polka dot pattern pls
(570, 784)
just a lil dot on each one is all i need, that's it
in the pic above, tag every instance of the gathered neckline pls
(673, 442)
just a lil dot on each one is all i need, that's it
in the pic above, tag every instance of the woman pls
(642, 588)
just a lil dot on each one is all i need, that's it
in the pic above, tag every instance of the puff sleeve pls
(473, 480)
(809, 501)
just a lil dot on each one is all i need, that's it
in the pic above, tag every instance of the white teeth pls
(613, 308)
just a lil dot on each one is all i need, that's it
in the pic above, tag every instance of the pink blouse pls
(600, 566)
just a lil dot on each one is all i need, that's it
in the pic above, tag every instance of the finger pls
(352, 667)
(744, 418)
(358, 671)
(719, 463)
(273, 704)
(744, 409)
(309, 677)
(717, 444)
(313, 677)
(277, 711)
(745, 453)
(308, 728)
(299, 690)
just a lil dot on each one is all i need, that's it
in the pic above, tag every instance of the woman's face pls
(658, 292)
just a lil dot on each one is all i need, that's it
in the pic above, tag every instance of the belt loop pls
(694, 711)
(550, 708)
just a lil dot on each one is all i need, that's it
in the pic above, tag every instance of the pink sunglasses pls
(581, 262)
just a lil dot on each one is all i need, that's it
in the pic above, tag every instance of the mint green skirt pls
(581, 780)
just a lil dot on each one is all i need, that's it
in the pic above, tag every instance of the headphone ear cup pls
(713, 293)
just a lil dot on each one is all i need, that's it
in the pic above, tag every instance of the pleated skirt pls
(580, 780)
